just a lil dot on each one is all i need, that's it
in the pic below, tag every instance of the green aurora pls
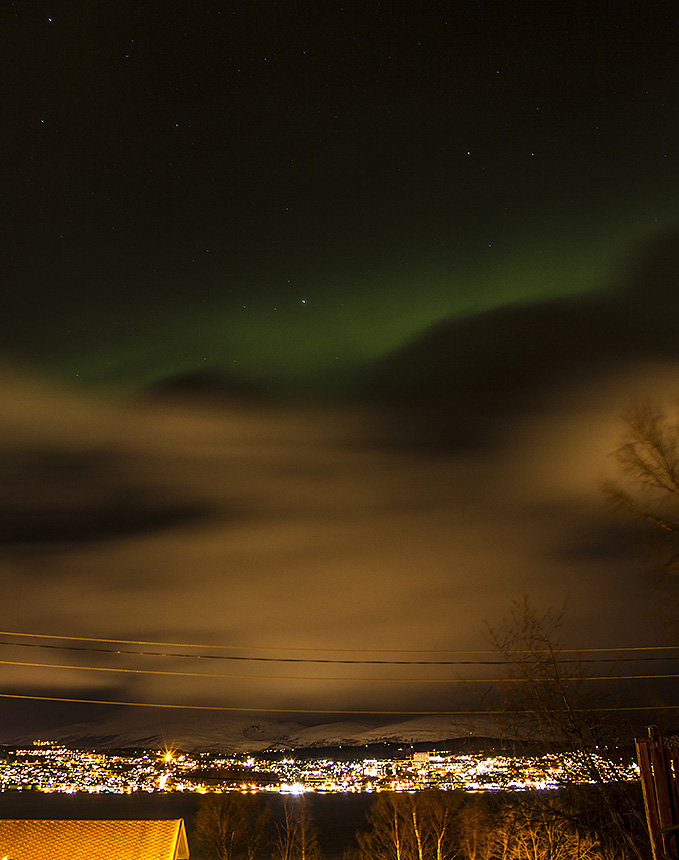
(323, 335)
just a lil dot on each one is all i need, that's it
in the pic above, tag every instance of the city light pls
(52, 768)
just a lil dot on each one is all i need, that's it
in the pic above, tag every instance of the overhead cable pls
(334, 650)
(337, 661)
(316, 710)
(336, 678)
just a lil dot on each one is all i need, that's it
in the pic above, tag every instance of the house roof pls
(26, 839)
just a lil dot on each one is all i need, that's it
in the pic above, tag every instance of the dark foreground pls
(337, 816)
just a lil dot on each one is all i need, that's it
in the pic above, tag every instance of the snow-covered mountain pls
(196, 732)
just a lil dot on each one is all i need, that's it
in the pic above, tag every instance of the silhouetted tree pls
(419, 826)
(545, 699)
(231, 826)
(648, 490)
(649, 462)
(296, 837)
(476, 828)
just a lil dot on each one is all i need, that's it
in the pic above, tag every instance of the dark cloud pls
(651, 287)
(54, 496)
(465, 376)
(595, 535)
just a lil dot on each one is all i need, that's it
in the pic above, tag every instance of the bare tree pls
(543, 832)
(649, 465)
(546, 700)
(440, 818)
(284, 840)
(647, 490)
(476, 831)
(296, 836)
(544, 697)
(419, 826)
(231, 826)
(388, 837)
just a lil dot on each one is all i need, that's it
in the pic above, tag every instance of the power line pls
(245, 648)
(334, 678)
(333, 650)
(328, 660)
(241, 658)
(314, 710)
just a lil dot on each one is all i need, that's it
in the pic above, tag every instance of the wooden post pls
(659, 764)
(650, 805)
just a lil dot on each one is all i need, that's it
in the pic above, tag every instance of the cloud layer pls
(266, 528)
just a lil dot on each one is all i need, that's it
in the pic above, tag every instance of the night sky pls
(318, 321)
